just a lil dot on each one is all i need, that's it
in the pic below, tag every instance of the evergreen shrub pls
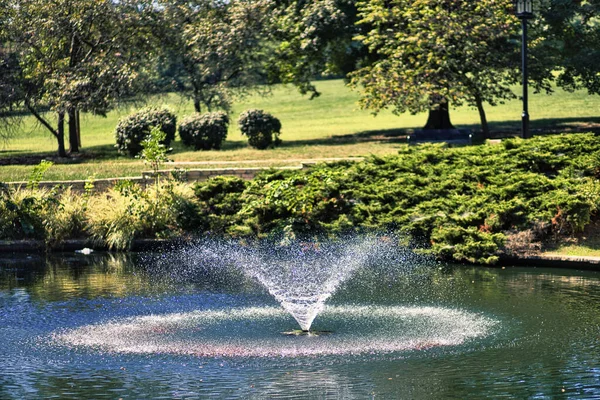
(219, 202)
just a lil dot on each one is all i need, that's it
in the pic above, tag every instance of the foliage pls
(11, 91)
(64, 218)
(313, 38)
(432, 52)
(464, 204)
(133, 129)
(38, 174)
(33, 213)
(118, 217)
(564, 44)
(154, 152)
(261, 128)
(218, 200)
(461, 203)
(212, 50)
(75, 55)
(204, 132)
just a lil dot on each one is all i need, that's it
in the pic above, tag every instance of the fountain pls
(301, 276)
(206, 321)
(304, 275)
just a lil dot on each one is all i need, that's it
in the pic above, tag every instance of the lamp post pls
(524, 11)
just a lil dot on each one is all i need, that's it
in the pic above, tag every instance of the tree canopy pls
(313, 38)
(419, 55)
(74, 55)
(411, 56)
(430, 52)
(213, 49)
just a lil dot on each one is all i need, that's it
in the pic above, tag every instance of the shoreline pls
(8, 247)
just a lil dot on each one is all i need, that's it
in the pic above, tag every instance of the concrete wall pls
(192, 175)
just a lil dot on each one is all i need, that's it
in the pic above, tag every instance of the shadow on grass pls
(499, 129)
(586, 243)
(546, 126)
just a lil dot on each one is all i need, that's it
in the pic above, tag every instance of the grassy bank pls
(464, 204)
(328, 126)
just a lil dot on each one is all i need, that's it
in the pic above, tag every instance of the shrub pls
(116, 218)
(261, 128)
(204, 132)
(464, 204)
(133, 129)
(65, 218)
(219, 201)
(27, 213)
(154, 152)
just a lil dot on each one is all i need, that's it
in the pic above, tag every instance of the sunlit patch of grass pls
(585, 244)
(574, 250)
(331, 125)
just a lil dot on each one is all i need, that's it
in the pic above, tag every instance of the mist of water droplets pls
(300, 275)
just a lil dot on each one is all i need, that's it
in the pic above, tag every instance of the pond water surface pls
(101, 326)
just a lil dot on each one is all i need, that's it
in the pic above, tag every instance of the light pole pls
(524, 11)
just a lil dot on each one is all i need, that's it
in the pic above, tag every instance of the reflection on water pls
(58, 278)
(547, 344)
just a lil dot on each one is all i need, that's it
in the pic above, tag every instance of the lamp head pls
(524, 9)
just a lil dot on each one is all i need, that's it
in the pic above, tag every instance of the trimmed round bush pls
(131, 130)
(204, 132)
(261, 128)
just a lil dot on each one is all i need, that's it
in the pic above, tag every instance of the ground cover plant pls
(465, 204)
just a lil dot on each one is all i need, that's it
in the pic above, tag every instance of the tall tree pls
(433, 52)
(410, 56)
(313, 38)
(11, 93)
(213, 49)
(565, 44)
(77, 55)
(10, 77)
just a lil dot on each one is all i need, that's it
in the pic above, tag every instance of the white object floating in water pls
(84, 251)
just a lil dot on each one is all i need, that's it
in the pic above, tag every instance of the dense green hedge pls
(204, 131)
(133, 129)
(462, 203)
(467, 204)
(261, 128)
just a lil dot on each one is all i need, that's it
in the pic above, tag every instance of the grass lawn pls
(576, 250)
(328, 126)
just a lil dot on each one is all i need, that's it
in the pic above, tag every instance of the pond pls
(107, 326)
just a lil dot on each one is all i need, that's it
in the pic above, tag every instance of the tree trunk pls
(485, 128)
(73, 113)
(197, 105)
(78, 130)
(73, 136)
(60, 135)
(439, 118)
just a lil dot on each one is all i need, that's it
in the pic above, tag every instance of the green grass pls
(328, 126)
(576, 250)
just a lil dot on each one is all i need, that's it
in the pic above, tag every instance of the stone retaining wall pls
(147, 178)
